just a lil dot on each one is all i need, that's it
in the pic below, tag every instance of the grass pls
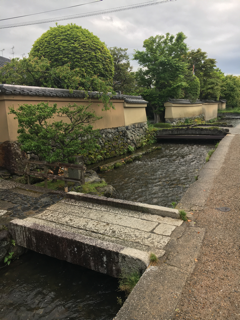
(234, 110)
(56, 185)
(92, 187)
(174, 204)
(128, 281)
(210, 153)
(153, 257)
(183, 215)
(162, 125)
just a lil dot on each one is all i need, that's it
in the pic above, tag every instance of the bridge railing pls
(46, 176)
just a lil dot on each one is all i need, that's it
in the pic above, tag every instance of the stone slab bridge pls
(110, 236)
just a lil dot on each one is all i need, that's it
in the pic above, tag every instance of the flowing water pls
(39, 287)
(160, 177)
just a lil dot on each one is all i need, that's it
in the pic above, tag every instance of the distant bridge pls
(192, 133)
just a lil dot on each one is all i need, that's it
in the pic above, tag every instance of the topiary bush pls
(77, 46)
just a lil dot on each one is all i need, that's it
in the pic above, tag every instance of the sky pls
(212, 25)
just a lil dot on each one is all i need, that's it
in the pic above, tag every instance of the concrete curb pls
(130, 205)
(196, 196)
(157, 293)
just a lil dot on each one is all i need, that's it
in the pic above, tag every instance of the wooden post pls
(28, 173)
(45, 179)
(83, 175)
(65, 182)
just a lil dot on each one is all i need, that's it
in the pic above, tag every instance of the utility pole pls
(23, 54)
(12, 51)
(2, 51)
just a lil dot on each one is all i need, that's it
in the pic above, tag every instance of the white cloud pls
(212, 25)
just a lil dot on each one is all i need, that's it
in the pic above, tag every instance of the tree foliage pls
(206, 70)
(78, 47)
(39, 72)
(163, 70)
(192, 91)
(124, 79)
(231, 91)
(53, 140)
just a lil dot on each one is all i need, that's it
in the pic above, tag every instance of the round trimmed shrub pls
(77, 46)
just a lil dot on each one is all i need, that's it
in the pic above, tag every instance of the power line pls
(88, 14)
(33, 14)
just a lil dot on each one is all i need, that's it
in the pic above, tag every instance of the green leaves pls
(124, 79)
(39, 72)
(55, 140)
(162, 68)
(231, 90)
(209, 76)
(71, 44)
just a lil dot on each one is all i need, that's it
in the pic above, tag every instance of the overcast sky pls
(212, 25)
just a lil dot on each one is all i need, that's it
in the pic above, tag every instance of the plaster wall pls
(177, 111)
(210, 110)
(134, 114)
(110, 119)
(4, 135)
(223, 105)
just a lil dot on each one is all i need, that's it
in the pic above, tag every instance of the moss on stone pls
(118, 164)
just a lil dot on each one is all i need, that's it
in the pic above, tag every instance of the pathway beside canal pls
(213, 290)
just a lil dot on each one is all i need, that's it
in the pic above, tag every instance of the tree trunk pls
(156, 117)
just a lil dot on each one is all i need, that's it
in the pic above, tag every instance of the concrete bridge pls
(106, 235)
(192, 133)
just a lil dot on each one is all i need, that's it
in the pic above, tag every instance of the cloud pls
(213, 26)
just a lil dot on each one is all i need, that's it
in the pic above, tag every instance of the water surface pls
(39, 287)
(161, 177)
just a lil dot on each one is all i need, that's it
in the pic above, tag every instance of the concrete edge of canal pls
(156, 295)
(124, 204)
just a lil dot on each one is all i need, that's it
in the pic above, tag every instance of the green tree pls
(51, 140)
(192, 91)
(124, 79)
(79, 47)
(206, 70)
(39, 72)
(163, 69)
(231, 91)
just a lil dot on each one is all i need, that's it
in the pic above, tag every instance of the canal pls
(39, 287)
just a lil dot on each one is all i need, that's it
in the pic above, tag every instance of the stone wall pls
(116, 141)
(175, 121)
(112, 142)
(11, 156)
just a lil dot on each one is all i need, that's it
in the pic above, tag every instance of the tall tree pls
(163, 69)
(206, 70)
(77, 46)
(124, 79)
(231, 91)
